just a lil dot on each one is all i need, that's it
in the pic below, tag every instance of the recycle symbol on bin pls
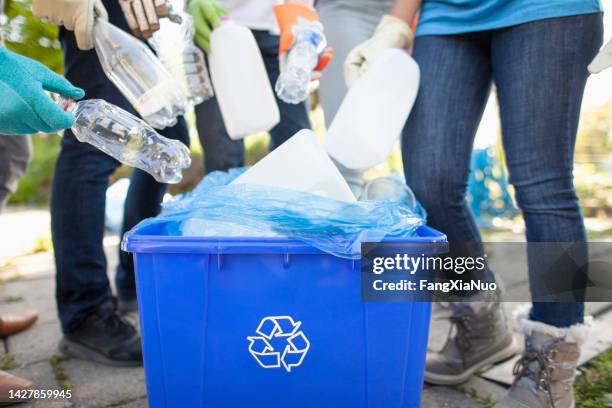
(279, 342)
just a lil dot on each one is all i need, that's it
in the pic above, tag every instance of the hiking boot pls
(544, 376)
(479, 337)
(104, 337)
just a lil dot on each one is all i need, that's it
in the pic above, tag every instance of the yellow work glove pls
(75, 15)
(391, 32)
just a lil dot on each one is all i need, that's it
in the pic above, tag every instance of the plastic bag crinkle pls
(335, 227)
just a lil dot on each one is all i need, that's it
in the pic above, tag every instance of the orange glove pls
(287, 15)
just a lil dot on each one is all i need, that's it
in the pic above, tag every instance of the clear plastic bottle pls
(139, 75)
(127, 138)
(387, 188)
(175, 48)
(300, 61)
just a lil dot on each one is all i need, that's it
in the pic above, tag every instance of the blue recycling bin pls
(271, 323)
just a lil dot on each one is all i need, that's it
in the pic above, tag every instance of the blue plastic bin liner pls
(271, 322)
(335, 227)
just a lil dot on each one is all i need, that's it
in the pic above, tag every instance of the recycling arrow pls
(295, 347)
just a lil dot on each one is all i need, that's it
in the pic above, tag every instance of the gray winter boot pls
(479, 337)
(544, 376)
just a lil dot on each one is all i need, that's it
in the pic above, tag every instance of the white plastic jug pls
(374, 111)
(240, 81)
(299, 164)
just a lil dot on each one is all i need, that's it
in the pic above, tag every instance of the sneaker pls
(104, 337)
(127, 305)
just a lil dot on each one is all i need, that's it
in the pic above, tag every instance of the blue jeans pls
(78, 195)
(221, 152)
(539, 70)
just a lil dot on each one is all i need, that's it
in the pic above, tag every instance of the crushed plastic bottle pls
(127, 138)
(301, 60)
(389, 189)
(139, 75)
(174, 45)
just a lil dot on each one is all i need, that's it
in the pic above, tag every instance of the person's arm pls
(393, 31)
(405, 10)
(25, 108)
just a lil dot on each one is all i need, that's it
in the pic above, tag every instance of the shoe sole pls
(456, 379)
(79, 351)
(130, 306)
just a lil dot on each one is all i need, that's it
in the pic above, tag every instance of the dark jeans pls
(221, 152)
(539, 70)
(78, 195)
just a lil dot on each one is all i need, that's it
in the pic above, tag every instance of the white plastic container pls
(240, 81)
(299, 164)
(374, 111)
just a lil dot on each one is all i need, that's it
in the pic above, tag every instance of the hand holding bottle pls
(392, 32)
(143, 16)
(75, 15)
(288, 15)
(25, 108)
(206, 17)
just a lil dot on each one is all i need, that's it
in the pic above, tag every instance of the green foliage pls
(593, 389)
(7, 362)
(35, 186)
(29, 36)
(59, 373)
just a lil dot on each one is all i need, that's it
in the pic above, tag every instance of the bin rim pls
(144, 242)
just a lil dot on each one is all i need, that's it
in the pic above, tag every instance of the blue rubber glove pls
(25, 108)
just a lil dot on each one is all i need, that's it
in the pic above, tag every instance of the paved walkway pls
(33, 354)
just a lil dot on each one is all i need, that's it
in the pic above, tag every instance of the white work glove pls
(75, 15)
(602, 60)
(391, 32)
(143, 16)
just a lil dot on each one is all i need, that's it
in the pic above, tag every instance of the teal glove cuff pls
(24, 106)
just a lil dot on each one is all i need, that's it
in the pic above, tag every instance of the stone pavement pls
(33, 354)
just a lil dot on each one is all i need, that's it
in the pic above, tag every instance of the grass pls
(8, 362)
(117, 403)
(12, 298)
(593, 389)
(485, 400)
(35, 186)
(58, 371)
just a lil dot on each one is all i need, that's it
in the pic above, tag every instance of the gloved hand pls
(206, 17)
(143, 16)
(75, 15)
(287, 15)
(25, 108)
(391, 32)
(602, 60)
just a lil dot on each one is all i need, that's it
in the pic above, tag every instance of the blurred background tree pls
(27, 35)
